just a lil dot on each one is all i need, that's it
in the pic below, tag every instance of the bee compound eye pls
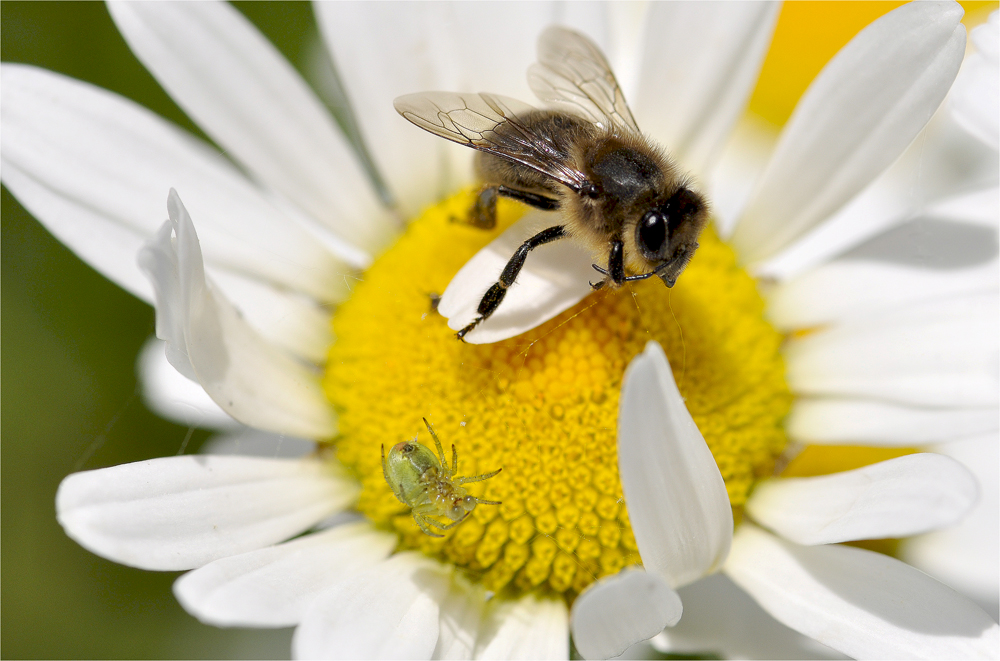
(652, 234)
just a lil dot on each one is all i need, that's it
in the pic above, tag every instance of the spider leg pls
(454, 460)
(437, 444)
(446, 526)
(477, 478)
(421, 520)
(385, 471)
(487, 502)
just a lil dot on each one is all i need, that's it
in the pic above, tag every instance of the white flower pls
(243, 307)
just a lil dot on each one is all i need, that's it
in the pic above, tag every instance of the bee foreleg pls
(616, 262)
(615, 273)
(495, 294)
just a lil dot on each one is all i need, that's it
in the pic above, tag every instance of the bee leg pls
(616, 262)
(483, 213)
(495, 294)
(615, 273)
(531, 199)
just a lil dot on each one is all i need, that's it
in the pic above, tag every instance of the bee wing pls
(572, 74)
(473, 120)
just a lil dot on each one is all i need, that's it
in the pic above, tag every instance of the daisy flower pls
(604, 468)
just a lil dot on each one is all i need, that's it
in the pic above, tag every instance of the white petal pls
(385, 50)
(739, 166)
(862, 603)
(388, 611)
(676, 498)
(287, 319)
(975, 99)
(919, 261)
(92, 165)
(247, 442)
(895, 498)
(183, 512)
(249, 99)
(531, 627)
(248, 378)
(170, 394)
(965, 556)
(618, 611)
(836, 421)
(855, 119)
(948, 251)
(555, 277)
(460, 618)
(274, 586)
(722, 620)
(944, 174)
(937, 354)
(699, 66)
(106, 245)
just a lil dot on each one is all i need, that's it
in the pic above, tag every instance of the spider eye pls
(652, 234)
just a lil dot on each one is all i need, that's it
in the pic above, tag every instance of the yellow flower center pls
(543, 406)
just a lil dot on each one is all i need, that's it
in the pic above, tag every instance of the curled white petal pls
(295, 322)
(170, 394)
(207, 340)
(387, 611)
(895, 498)
(864, 604)
(274, 586)
(677, 501)
(620, 610)
(555, 277)
(855, 119)
(249, 442)
(183, 512)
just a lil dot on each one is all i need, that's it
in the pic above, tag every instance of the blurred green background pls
(70, 338)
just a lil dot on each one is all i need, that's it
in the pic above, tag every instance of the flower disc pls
(543, 406)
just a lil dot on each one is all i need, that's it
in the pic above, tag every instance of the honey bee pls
(428, 486)
(617, 192)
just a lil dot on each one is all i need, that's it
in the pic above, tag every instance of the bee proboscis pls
(617, 192)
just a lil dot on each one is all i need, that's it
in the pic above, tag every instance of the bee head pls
(667, 234)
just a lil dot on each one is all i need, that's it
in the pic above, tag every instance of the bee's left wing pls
(490, 123)
(572, 74)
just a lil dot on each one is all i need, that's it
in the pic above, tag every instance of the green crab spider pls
(427, 486)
